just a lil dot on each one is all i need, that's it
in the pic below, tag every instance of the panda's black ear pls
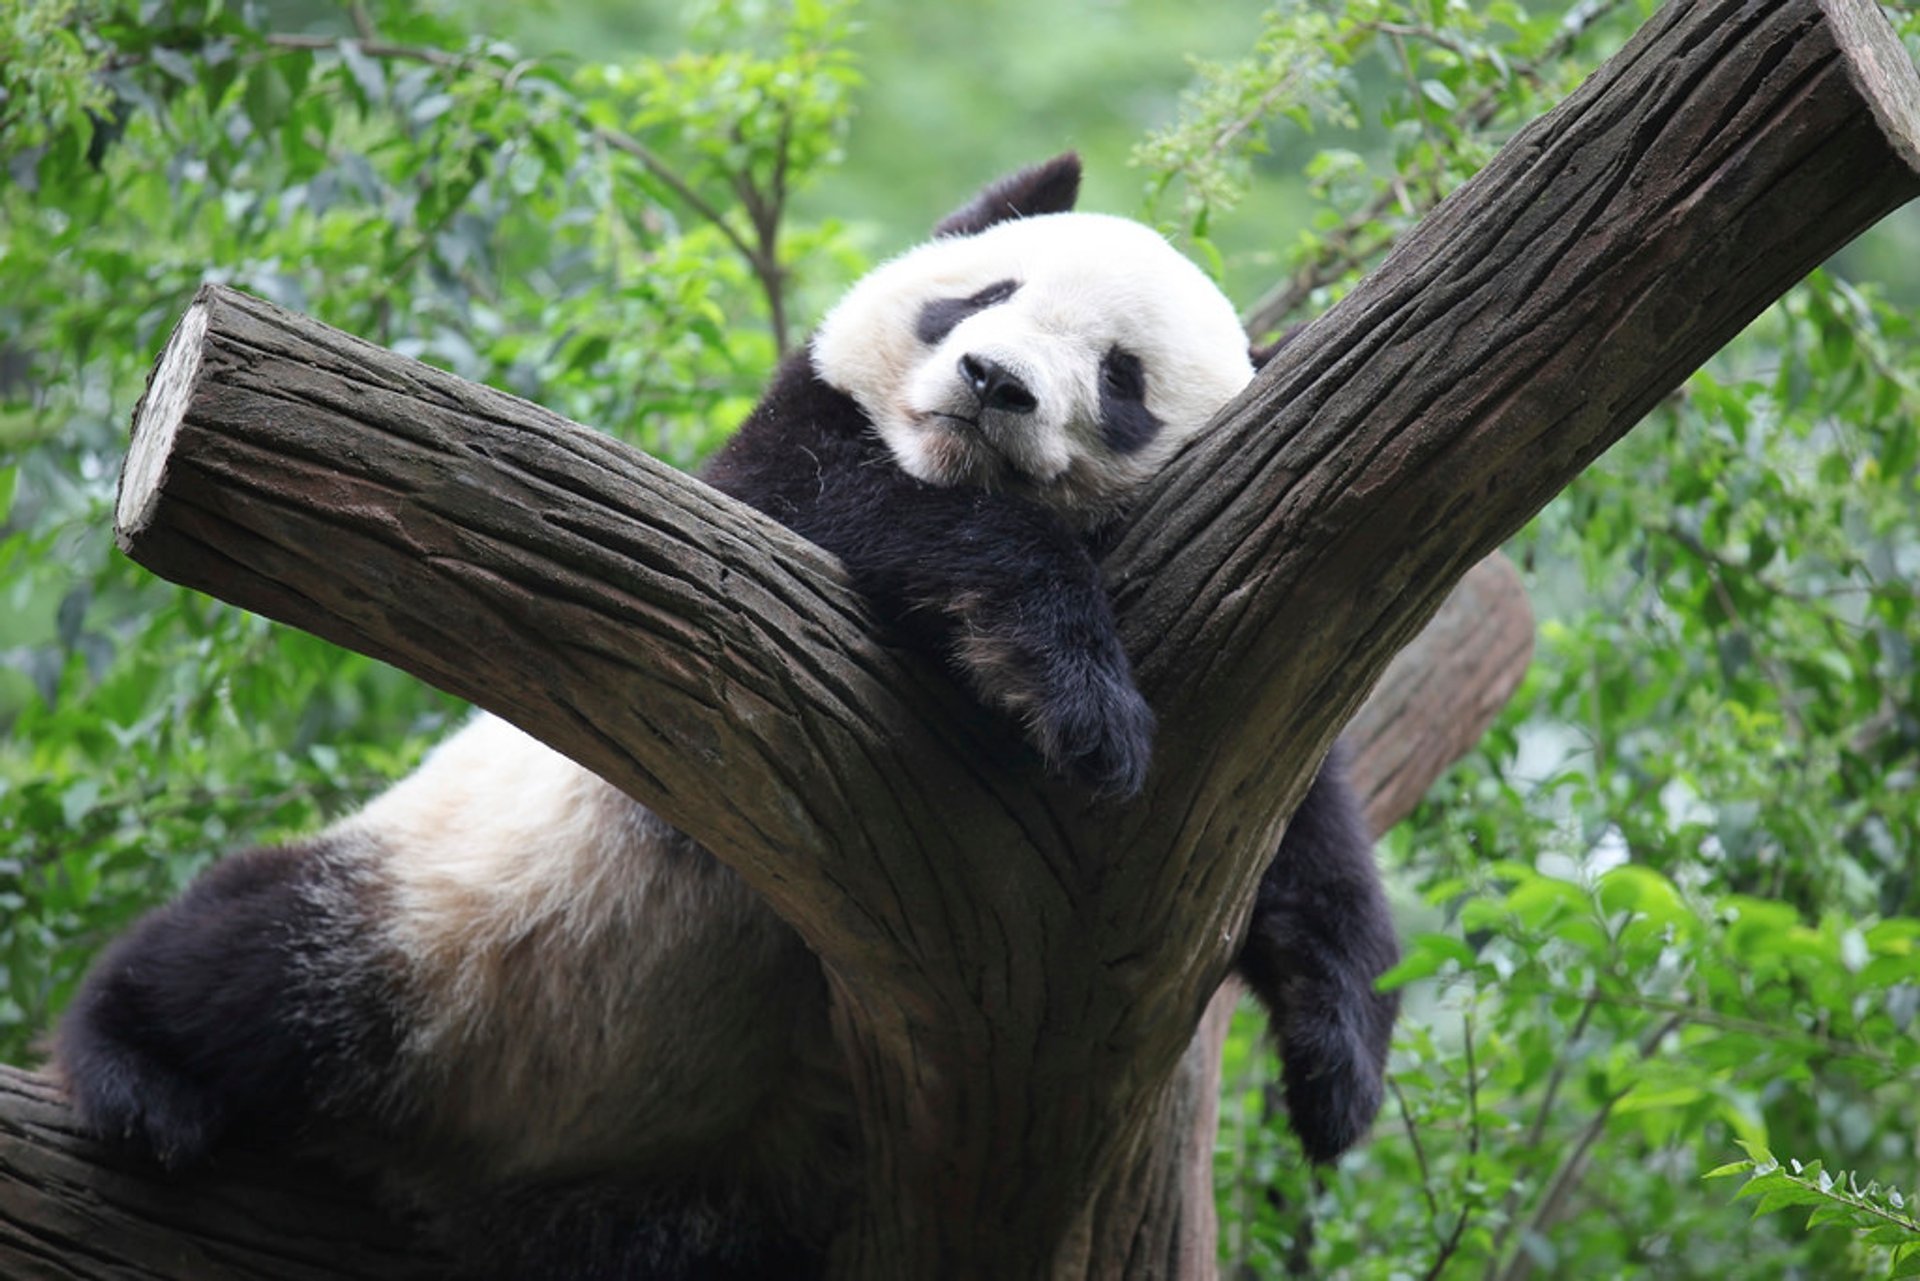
(1049, 187)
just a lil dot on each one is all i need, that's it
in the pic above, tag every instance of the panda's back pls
(554, 935)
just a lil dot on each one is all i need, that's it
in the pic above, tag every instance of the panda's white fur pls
(551, 928)
(1072, 306)
(503, 982)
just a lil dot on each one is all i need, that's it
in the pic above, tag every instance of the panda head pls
(1063, 356)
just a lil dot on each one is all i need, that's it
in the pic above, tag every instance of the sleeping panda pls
(564, 1032)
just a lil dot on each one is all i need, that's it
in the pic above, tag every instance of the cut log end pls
(156, 421)
(1882, 71)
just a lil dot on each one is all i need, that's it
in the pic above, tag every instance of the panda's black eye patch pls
(1122, 374)
(1125, 422)
(938, 318)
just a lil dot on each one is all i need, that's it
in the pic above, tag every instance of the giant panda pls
(562, 1031)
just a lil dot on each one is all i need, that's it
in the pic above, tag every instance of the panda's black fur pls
(456, 990)
(1028, 579)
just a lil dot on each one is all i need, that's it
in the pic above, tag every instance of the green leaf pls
(1542, 898)
(1413, 967)
(175, 64)
(369, 77)
(1634, 888)
(1648, 1096)
(1728, 1170)
(266, 98)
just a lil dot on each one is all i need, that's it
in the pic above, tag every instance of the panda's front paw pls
(1092, 725)
(1052, 660)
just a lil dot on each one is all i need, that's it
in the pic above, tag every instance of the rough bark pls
(1016, 992)
(70, 1210)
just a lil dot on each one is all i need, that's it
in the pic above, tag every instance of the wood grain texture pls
(1018, 973)
(70, 1209)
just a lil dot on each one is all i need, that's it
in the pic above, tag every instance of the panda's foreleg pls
(1049, 654)
(998, 585)
(208, 1017)
(1320, 934)
(1015, 600)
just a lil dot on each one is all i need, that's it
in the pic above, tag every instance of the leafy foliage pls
(1670, 906)
(1416, 96)
(1878, 1217)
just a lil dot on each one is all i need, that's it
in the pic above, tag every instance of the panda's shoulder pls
(804, 445)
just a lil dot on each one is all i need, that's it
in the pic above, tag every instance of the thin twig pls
(1353, 243)
(1837, 1046)
(1510, 1204)
(1419, 1152)
(614, 139)
(1452, 1243)
(1567, 1177)
(1447, 1248)
(1427, 35)
(1418, 96)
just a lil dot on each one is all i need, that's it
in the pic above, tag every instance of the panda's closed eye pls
(1122, 375)
(938, 318)
(1126, 424)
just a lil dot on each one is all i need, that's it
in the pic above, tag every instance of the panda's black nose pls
(996, 386)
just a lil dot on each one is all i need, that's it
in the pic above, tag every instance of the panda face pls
(1064, 357)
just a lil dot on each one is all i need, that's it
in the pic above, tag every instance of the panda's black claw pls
(1096, 729)
(176, 1128)
(1333, 1068)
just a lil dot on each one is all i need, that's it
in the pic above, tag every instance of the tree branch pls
(1521, 329)
(70, 1210)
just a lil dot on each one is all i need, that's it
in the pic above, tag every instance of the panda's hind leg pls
(208, 1016)
(619, 1232)
(1320, 934)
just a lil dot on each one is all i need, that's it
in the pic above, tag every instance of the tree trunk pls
(1017, 993)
